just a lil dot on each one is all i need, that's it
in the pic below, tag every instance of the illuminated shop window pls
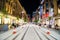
(6, 21)
(58, 10)
(0, 19)
(59, 22)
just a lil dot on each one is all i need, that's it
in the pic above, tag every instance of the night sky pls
(30, 5)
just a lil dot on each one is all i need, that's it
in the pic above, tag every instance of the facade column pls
(45, 6)
(49, 6)
(55, 7)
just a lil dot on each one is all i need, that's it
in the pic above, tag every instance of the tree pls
(25, 19)
(49, 18)
(36, 21)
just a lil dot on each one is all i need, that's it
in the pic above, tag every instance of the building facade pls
(53, 9)
(56, 13)
(13, 8)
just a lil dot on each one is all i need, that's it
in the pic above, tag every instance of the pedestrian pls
(39, 24)
(49, 26)
(13, 24)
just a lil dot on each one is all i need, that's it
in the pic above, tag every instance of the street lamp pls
(23, 11)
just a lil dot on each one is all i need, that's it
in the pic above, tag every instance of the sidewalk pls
(52, 32)
(52, 29)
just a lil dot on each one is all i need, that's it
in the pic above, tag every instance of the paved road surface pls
(31, 35)
(30, 32)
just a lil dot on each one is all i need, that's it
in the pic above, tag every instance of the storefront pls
(57, 18)
(57, 21)
(1, 16)
(0, 19)
(7, 20)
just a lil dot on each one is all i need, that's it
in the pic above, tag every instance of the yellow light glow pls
(59, 22)
(0, 21)
(6, 21)
(58, 10)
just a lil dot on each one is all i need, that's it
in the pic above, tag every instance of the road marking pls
(24, 34)
(48, 35)
(37, 34)
(12, 34)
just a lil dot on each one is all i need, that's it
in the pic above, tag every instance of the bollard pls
(14, 31)
(48, 32)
